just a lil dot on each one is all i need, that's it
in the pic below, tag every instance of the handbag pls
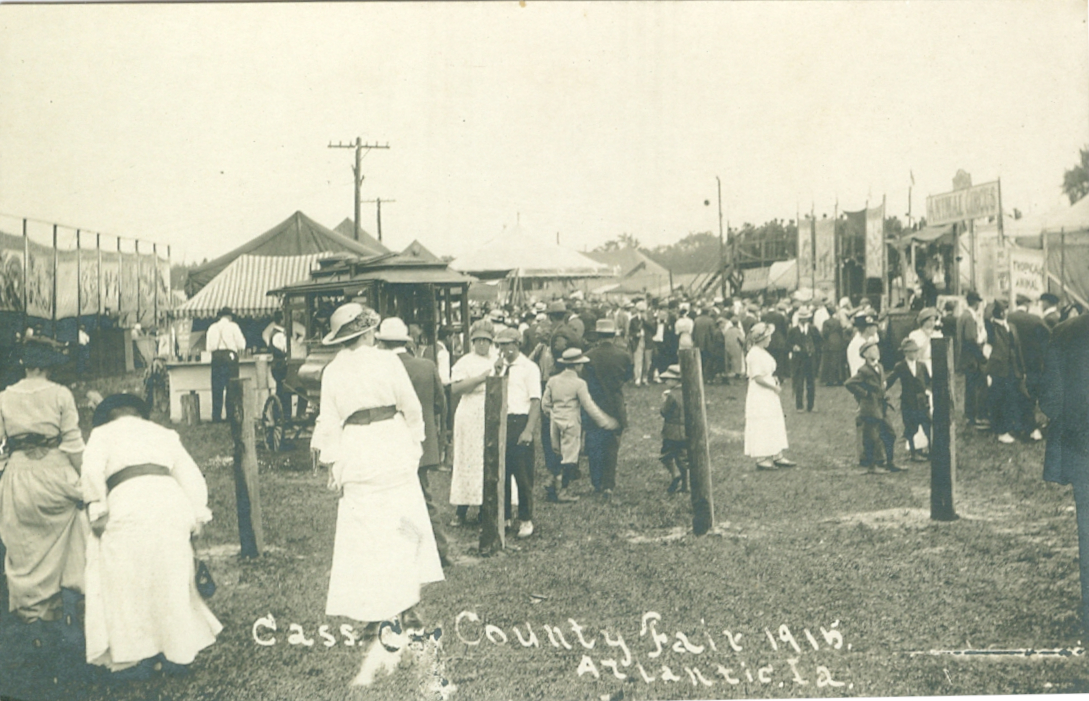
(206, 586)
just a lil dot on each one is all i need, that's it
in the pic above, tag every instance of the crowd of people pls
(114, 518)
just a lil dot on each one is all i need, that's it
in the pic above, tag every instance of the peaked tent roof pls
(419, 253)
(295, 236)
(244, 284)
(345, 229)
(636, 272)
(1069, 219)
(529, 260)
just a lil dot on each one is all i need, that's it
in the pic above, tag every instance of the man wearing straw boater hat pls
(226, 342)
(369, 433)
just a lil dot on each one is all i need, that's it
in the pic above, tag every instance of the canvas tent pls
(1066, 232)
(346, 229)
(528, 260)
(633, 272)
(298, 235)
(244, 284)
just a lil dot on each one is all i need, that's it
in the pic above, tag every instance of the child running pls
(566, 396)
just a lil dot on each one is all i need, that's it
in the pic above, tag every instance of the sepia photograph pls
(490, 351)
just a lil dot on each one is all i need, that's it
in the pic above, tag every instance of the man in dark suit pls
(868, 387)
(1006, 373)
(1065, 401)
(804, 342)
(1051, 314)
(914, 400)
(393, 335)
(971, 339)
(1035, 336)
(609, 368)
(778, 346)
(703, 335)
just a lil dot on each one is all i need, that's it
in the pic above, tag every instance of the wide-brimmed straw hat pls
(573, 356)
(760, 331)
(118, 401)
(482, 329)
(350, 321)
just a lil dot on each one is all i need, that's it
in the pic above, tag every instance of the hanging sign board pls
(1026, 272)
(977, 202)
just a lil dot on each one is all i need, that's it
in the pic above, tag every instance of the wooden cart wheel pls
(272, 423)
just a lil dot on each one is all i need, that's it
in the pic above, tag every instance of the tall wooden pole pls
(98, 256)
(721, 241)
(26, 278)
(54, 281)
(943, 443)
(240, 413)
(699, 454)
(79, 285)
(492, 535)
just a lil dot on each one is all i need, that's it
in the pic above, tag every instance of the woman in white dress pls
(146, 498)
(369, 432)
(765, 425)
(467, 380)
(683, 327)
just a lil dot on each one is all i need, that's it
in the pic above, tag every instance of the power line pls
(379, 202)
(357, 170)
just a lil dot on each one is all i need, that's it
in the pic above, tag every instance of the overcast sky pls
(201, 126)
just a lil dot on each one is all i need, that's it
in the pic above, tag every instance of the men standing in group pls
(610, 367)
(640, 343)
(1035, 336)
(523, 415)
(393, 335)
(703, 335)
(1006, 370)
(804, 342)
(972, 340)
(226, 342)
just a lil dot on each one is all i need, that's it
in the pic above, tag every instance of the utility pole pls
(359, 146)
(378, 201)
(721, 242)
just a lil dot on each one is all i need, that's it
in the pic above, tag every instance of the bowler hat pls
(394, 330)
(973, 297)
(1049, 298)
(118, 401)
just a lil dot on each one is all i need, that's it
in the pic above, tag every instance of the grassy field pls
(846, 565)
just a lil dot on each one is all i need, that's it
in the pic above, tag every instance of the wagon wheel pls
(162, 396)
(272, 423)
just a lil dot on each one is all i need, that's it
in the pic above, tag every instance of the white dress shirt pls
(225, 335)
(523, 385)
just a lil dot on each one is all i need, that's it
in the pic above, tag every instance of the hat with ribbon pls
(761, 331)
(605, 327)
(573, 356)
(350, 321)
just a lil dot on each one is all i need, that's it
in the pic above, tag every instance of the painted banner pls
(805, 252)
(11, 280)
(67, 284)
(975, 202)
(130, 288)
(875, 241)
(163, 282)
(39, 281)
(147, 273)
(89, 278)
(110, 282)
(1027, 272)
(825, 254)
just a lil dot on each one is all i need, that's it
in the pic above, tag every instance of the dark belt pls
(364, 417)
(131, 471)
(29, 441)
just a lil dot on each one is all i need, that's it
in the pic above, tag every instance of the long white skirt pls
(142, 599)
(765, 425)
(384, 547)
(467, 476)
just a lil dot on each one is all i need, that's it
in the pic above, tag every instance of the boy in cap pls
(674, 453)
(914, 378)
(868, 387)
(566, 396)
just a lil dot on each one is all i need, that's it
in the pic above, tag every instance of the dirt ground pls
(817, 581)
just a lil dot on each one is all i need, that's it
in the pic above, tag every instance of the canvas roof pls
(635, 272)
(345, 229)
(1069, 219)
(244, 284)
(529, 259)
(295, 236)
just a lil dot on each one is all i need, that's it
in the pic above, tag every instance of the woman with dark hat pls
(40, 520)
(146, 499)
(468, 378)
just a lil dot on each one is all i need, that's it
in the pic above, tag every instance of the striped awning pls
(243, 285)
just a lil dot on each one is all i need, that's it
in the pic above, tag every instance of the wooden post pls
(247, 495)
(190, 406)
(699, 454)
(943, 442)
(492, 535)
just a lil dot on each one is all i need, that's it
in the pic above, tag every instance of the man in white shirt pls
(226, 342)
(523, 413)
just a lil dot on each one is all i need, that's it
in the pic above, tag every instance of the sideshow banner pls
(825, 254)
(875, 241)
(39, 281)
(805, 252)
(146, 270)
(67, 284)
(1027, 272)
(110, 281)
(162, 280)
(11, 282)
(89, 277)
(992, 268)
(130, 288)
